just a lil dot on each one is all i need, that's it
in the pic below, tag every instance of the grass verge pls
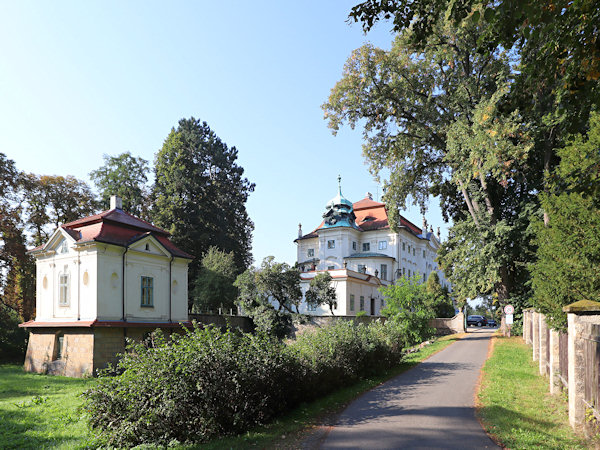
(41, 411)
(288, 430)
(515, 405)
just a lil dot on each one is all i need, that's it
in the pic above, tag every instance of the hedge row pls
(209, 383)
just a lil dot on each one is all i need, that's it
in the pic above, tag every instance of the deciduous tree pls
(321, 292)
(126, 176)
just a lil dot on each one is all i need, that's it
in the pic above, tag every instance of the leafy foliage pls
(260, 288)
(439, 300)
(214, 286)
(13, 340)
(52, 200)
(197, 386)
(321, 292)
(209, 383)
(567, 268)
(126, 176)
(406, 308)
(200, 194)
(17, 271)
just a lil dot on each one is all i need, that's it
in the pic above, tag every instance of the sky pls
(79, 80)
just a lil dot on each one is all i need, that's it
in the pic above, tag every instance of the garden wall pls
(450, 325)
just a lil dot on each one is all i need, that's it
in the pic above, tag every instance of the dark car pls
(491, 323)
(476, 320)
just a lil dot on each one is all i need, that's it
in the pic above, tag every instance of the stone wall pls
(243, 323)
(316, 322)
(450, 325)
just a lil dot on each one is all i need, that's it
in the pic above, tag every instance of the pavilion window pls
(147, 297)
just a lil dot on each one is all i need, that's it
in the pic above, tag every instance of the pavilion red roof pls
(118, 227)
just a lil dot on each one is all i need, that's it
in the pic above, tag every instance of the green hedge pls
(209, 383)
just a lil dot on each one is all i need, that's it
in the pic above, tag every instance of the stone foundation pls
(85, 350)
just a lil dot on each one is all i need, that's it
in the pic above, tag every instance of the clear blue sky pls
(83, 79)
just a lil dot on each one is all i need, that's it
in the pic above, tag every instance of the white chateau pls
(356, 245)
(102, 279)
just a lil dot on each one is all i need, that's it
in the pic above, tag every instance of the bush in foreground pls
(209, 383)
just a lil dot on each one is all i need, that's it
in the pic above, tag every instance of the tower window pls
(366, 247)
(354, 245)
(331, 244)
(310, 253)
(382, 245)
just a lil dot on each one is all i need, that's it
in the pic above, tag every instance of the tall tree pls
(126, 176)
(200, 194)
(17, 276)
(432, 116)
(51, 200)
(567, 268)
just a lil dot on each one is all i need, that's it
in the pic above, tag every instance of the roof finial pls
(340, 183)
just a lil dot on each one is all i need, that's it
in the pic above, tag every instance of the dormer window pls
(147, 247)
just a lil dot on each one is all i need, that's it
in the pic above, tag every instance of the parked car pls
(491, 322)
(476, 320)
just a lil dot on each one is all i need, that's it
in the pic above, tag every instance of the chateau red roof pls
(370, 215)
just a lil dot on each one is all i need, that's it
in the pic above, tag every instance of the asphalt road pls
(429, 406)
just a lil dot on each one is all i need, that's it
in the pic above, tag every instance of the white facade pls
(362, 243)
(96, 281)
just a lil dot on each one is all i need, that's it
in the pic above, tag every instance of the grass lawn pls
(40, 411)
(515, 405)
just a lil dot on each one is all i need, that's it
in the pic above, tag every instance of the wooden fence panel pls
(591, 351)
(563, 358)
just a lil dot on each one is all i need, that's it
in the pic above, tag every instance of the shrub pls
(210, 383)
(204, 384)
(13, 340)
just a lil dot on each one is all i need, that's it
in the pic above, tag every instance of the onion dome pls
(339, 211)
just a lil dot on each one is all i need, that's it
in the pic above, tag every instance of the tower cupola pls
(339, 211)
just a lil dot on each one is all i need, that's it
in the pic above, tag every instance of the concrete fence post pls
(535, 339)
(578, 316)
(543, 347)
(555, 383)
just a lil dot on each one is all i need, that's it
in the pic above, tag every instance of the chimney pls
(299, 230)
(116, 202)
